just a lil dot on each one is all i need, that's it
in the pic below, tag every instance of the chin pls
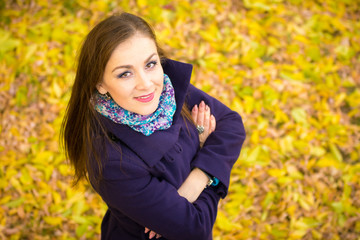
(148, 111)
(145, 110)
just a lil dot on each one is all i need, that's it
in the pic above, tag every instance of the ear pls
(101, 89)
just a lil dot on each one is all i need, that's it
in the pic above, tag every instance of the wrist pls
(200, 177)
(193, 185)
(212, 181)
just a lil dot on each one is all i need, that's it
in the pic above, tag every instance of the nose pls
(143, 81)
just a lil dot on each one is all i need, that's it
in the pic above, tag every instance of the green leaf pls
(7, 43)
(15, 203)
(299, 115)
(335, 152)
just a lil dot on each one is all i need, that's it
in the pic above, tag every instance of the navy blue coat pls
(140, 184)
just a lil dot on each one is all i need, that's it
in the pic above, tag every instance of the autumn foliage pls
(290, 68)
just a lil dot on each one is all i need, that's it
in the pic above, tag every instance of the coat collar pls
(152, 148)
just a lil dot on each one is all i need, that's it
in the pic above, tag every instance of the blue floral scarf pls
(161, 119)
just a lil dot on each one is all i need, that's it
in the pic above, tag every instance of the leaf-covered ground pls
(290, 68)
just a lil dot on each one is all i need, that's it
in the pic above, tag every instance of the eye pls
(124, 75)
(151, 64)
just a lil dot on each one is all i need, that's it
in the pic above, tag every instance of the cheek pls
(121, 93)
(160, 82)
(159, 78)
(159, 73)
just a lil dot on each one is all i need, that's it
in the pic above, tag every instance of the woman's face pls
(134, 76)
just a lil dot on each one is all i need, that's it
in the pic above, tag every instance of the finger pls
(207, 120)
(212, 123)
(194, 113)
(146, 230)
(152, 234)
(200, 117)
(158, 236)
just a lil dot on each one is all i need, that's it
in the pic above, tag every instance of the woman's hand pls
(202, 117)
(152, 233)
(197, 180)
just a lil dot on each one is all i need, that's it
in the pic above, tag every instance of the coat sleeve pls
(222, 148)
(155, 203)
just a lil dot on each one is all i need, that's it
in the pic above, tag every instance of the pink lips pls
(146, 98)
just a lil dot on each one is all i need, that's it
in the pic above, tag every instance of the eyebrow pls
(130, 66)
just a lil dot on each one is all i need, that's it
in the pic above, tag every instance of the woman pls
(129, 131)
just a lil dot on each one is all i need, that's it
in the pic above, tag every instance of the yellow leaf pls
(254, 155)
(293, 172)
(224, 223)
(249, 104)
(25, 177)
(317, 151)
(5, 200)
(142, 3)
(54, 221)
(29, 53)
(14, 131)
(56, 89)
(286, 144)
(276, 172)
(328, 161)
(298, 234)
(304, 204)
(56, 197)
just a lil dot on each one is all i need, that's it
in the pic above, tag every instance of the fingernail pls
(202, 103)
(151, 235)
(195, 108)
(146, 230)
(206, 107)
(158, 236)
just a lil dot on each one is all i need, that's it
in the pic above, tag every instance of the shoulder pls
(176, 68)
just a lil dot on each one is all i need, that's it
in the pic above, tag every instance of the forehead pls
(136, 48)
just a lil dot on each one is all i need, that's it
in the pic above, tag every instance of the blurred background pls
(291, 68)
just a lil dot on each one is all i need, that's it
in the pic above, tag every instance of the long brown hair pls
(80, 123)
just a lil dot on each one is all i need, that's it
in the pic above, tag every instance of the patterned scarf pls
(161, 119)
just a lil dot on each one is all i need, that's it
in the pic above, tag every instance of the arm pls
(193, 185)
(218, 156)
(191, 189)
(197, 179)
(156, 204)
(222, 147)
(232, 135)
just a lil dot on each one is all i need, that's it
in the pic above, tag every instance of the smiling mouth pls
(146, 98)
